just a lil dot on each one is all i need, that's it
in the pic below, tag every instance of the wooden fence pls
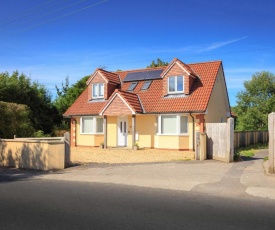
(220, 141)
(246, 138)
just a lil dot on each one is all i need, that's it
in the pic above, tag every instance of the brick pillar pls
(201, 122)
(73, 132)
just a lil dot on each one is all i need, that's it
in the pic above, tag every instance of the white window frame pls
(94, 121)
(176, 85)
(97, 86)
(178, 128)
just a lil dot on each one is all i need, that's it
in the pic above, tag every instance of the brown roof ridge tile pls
(139, 70)
(204, 62)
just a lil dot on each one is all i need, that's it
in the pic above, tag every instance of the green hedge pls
(15, 120)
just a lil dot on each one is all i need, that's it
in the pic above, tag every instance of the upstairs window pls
(98, 90)
(146, 85)
(132, 86)
(175, 84)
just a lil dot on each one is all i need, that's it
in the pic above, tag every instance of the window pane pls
(95, 90)
(171, 84)
(87, 124)
(180, 83)
(132, 86)
(146, 85)
(183, 124)
(168, 124)
(99, 125)
(101, 89)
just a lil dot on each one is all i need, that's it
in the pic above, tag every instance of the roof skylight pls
(146, 85)
(132, 86)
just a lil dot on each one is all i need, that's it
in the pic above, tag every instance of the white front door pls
(122, 131)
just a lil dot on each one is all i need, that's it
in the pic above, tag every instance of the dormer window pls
(98, 90)
(175, 84)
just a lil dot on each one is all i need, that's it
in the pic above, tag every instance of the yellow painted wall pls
(166, 142)
(32, 154)
(218, 106)
(129, 137)
(146, 128)
(184, 142)
(87, 139)
(111, 131)
(190, 132)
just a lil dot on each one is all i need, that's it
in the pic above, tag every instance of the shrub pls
(15, 120)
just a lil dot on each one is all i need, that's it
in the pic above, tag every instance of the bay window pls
(172, 124)
(91, 125)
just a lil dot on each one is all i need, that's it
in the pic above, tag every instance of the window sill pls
(91, 133)
(97, 100)
(173, 95)
(181, 134)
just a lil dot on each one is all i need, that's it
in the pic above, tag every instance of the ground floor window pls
(172, 124)
(91, 125)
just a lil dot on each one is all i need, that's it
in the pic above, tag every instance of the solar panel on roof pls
(145, 75)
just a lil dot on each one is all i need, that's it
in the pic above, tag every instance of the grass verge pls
(248, 151)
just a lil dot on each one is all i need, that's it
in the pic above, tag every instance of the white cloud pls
(218, 45)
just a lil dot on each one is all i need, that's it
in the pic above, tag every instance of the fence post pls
(200, 150)
(202, 146)
(271, 148)
(197, 151)
(230, 139)
(67, 149)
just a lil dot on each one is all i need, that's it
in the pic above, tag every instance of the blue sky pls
(49, 40)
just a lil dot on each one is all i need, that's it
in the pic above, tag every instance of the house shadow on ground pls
(11, 174)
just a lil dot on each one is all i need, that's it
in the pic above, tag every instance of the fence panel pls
(246, 138)
(220, 140)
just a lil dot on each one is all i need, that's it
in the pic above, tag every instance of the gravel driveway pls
(121, 156)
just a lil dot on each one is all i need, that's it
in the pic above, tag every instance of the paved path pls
(244, 178)
(211, 177)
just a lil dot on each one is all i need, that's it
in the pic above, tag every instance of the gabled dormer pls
(102, 84)
(178, 78)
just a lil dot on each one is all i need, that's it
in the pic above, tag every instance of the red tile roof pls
(186, 67)
(82, 106)
(152, 100)
(131, 99)
(109, 76)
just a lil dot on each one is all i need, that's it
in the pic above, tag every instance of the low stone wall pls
(35, 153)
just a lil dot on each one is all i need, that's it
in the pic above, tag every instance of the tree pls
(17, 88)
(255, 102)
(67, 95)
(15, 120)
(159, 63)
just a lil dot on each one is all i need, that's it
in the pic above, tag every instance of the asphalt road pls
(27, 203)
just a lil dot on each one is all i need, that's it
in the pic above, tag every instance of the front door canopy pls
(122, 103)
